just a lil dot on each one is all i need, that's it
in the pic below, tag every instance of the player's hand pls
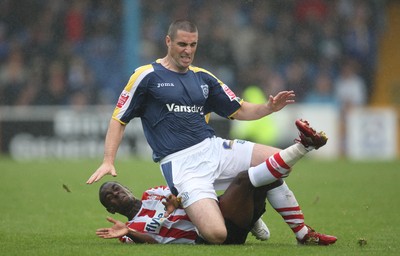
(171, 203)
(283, 98)
(117, 230)
(104, 169)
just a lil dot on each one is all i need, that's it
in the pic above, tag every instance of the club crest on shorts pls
(228, 144)
(184, 196)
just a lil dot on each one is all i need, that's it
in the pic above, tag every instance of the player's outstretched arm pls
(113, 140)
(103, 170)
(251, 111)
(119, 229)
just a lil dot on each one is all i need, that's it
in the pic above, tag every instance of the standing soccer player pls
(172, 98)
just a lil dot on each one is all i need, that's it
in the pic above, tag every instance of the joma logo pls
(165, 85)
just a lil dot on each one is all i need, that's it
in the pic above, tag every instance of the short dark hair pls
(101, 193)
(184, 25)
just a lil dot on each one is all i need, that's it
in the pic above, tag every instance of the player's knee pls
(243, 179)
(217, 236)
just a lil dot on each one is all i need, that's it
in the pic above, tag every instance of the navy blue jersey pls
(172, 106)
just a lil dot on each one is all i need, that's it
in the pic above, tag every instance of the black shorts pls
(236, 235)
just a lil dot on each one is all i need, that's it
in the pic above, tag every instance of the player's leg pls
(190, 175)
(279, 164)
(284, 202)
(242, 205)
(206, 216)
(260, 196)
(260, 229)
(235, 157)
(272, 170)
(237, 204)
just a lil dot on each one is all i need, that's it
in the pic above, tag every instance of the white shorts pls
(196, 172)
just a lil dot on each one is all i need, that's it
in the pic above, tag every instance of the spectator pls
(297, 79)
(322, 91)
(359, 39)
(81, 82)
(13, 77)
(74, 21)
(350, 91)
(56, 90)
(4, 44)
(350, 88)
(32, 89)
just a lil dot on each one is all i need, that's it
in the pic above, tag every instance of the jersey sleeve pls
(221, 99)
(130, 101)
(126, 240)
(156, 193)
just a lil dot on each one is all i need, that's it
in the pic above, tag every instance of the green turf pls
(350, 200)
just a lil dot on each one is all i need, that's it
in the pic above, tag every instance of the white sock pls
(277, 165)
(293, 154)
(285, 203)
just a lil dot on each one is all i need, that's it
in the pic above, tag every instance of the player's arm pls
(140, 238)
(251, 111)
(119, 229)
(113, 139)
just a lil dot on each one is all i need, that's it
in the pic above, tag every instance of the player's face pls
(118, 197)
(182, 49)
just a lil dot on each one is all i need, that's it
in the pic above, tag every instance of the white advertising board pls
(371, 134)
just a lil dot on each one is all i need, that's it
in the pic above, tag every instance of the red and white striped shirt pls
(174, 228)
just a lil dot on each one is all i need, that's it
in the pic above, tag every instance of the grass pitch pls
(356, 201)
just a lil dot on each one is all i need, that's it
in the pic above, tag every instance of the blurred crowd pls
(59, 52)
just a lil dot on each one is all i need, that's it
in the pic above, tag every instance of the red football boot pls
(315, 238)
(308, 136)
